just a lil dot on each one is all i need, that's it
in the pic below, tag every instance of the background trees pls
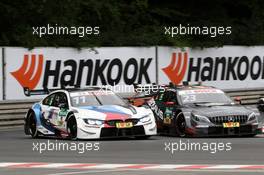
(131, 22)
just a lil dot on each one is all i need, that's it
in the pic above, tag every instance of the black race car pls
(199, 111)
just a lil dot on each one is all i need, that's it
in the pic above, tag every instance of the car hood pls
(213, 111)
(109, 112)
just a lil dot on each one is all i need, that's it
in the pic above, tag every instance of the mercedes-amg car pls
(186, 110)
(87, 114)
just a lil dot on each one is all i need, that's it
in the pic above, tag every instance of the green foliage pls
(131, 22)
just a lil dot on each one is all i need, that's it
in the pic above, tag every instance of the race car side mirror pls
(169, 103)
(261, 104)
(237, 100)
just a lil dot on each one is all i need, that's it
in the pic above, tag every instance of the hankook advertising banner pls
(51, 68)
(229, 67)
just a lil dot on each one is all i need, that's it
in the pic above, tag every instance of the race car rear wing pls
(29, 92)
(153, 86)
(147, 87)
(147, 90)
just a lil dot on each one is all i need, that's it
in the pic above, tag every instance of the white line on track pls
(87, 172)
(96, 166)
(160, 170)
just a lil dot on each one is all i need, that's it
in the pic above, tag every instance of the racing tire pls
(180, 125)
(32, 125)
(72, 127)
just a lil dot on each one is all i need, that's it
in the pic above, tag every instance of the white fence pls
(1, 74)
(229, 67)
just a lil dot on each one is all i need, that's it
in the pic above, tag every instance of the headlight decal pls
(252, 117)
(145, 118)
(93, 122)
(200, 118)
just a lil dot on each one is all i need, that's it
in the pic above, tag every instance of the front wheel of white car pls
(72, 127)
(32, 125)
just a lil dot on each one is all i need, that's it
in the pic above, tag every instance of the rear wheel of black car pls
(72, 127)
(32, 125)
(180, 125)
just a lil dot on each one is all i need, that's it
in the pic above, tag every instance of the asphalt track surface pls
(16, 147)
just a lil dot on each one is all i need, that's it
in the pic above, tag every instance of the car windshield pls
(203, 96)
(95, 98)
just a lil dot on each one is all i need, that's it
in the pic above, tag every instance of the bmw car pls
(196, 110)
(90, 113)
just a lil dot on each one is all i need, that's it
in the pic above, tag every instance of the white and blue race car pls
(88, 114)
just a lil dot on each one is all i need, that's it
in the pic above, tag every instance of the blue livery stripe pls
(104, 109)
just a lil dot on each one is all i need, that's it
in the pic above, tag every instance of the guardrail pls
(248, 97)
(12, 112)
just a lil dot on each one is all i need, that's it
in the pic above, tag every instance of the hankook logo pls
(197, 69)
(177, 68)
(88, 72)
(29, 77)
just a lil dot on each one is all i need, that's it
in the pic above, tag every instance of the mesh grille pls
(219, 120)
(113, 122)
